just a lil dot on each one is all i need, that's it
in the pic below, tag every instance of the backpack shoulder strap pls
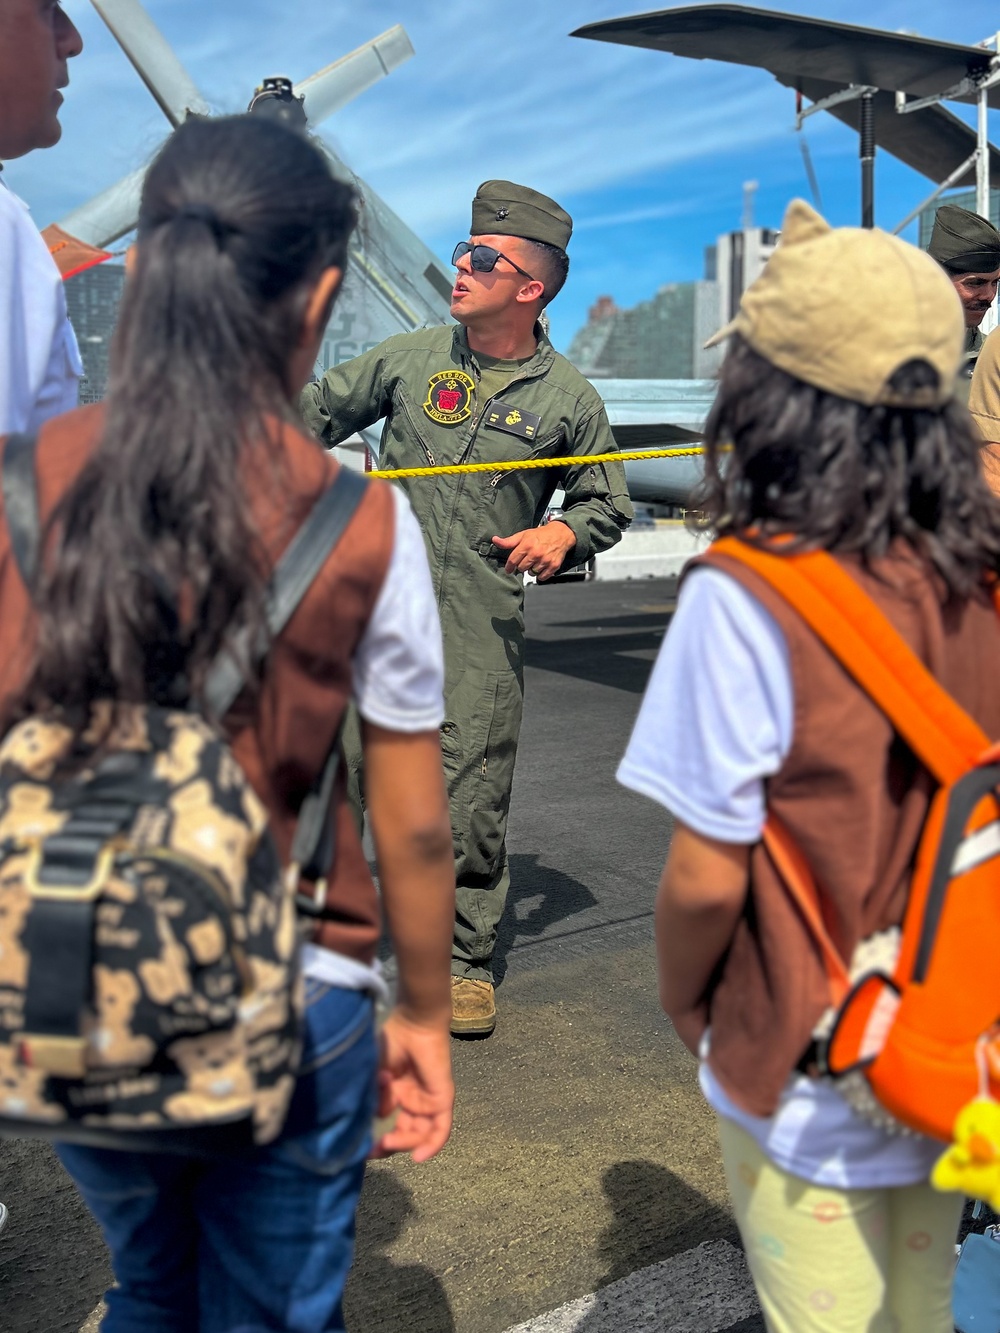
(313, 845)
(842, 615)
(294, 574)
(20, 504)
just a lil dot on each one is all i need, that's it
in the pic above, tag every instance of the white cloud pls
(653, 213)
(495, 89)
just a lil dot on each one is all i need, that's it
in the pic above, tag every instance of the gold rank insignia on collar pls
(449, 397)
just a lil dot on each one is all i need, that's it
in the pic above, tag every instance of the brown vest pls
(990, 454)
(854, 798)
(282, 738)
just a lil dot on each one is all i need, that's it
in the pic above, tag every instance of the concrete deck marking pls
(704, 1290)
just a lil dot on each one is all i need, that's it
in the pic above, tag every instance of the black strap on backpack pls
(20, 503)
(313, 848)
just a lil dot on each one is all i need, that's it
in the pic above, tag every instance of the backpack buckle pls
(313, 904)
(67, 893)
(813, 1060)
(62, 1057)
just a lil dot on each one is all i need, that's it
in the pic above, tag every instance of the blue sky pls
(647, 151)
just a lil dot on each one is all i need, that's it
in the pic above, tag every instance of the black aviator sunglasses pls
(483, 258)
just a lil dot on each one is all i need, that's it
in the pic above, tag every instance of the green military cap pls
(964, 242)
(502, 208)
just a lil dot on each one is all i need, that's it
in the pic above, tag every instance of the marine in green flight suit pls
(491, 388)
(968, 248)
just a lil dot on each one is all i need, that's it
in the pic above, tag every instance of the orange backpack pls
(921, 1034)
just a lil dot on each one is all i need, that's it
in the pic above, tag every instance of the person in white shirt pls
(40, 364)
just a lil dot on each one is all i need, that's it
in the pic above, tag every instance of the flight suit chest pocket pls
(435, 442)
(502, 448)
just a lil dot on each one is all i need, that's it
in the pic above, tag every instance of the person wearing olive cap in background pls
(984, 404)
(968, 249)
(492, 388)
(984, 391)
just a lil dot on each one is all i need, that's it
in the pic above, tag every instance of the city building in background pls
(657, 339)
(740, 257)
(92, 299)
(664, 338)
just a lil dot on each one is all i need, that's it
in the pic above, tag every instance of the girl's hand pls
(415, 1084)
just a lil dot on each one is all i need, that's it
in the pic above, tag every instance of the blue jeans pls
(253, 1243)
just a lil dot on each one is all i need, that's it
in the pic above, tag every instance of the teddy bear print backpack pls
(148, 942)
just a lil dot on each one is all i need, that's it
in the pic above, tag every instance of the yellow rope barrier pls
(512, 465)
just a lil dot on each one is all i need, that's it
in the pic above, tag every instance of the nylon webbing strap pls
(73, 866)
(20, 503)
(298, 567)
(943, 736)
(313, 846)
(59, 939)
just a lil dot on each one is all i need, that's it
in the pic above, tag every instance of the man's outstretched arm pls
(347, 398)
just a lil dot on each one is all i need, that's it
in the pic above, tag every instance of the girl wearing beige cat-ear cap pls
(835, 430)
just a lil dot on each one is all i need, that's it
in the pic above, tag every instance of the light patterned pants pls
(841, 1261)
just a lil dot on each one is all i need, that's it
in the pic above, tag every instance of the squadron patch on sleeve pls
(449, 397)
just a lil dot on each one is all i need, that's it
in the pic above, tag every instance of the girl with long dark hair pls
(834, 430)
(166, 510)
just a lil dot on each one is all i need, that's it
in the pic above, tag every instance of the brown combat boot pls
(473, 1009)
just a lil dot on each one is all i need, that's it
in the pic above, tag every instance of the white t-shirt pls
(399, 663)
(40, 365)
(716, 721)
(398, 684)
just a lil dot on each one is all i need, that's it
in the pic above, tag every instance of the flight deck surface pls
(583, 1152)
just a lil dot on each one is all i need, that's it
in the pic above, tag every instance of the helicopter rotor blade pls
(333, 87)
(153, 58)
(109, 215)
(115, 212)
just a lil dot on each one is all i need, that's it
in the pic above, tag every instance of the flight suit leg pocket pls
(455, 776)
(462, 736)
(493, 774)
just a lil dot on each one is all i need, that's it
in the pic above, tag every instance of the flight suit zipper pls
(418, 436)
(475, 432)
(490, 732)
(477, 417)
(497, 477)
